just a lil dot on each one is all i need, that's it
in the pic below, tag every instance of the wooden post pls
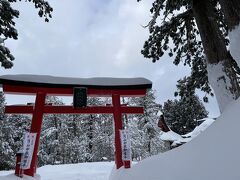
(118, 126)
(36, 128)
(18, 170)
(127, 164)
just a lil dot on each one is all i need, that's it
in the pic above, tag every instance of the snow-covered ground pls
(82, 171)
(213, 155)
(177, 139)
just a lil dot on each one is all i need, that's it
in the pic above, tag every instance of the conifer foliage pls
(6, 152)
(143, 128)
(179, 29)
(194, 33)
(81, 138)
(77, 138)
(12, 129)
(182, 115)
(7, 25)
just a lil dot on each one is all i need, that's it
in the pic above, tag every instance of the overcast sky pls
(91, 38)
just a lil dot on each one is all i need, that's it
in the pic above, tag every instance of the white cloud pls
(90, 38)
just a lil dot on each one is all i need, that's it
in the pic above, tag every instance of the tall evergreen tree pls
(54, 136)
(99, 132)
(231, 9)
(6, 151)
(182, 115)
(192, 27)
(12, 129)
(7, 25)
(143, 128)
(84, 137)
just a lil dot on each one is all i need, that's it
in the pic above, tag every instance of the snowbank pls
(177, 139)
(213, 155)
(202, 127)
(81, 171)
(170, 136)
(13, 177)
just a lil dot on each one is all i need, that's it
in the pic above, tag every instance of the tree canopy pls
(8, 29)
(182, 115)
(193, 33)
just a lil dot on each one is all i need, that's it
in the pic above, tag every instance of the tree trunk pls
(231, 10)
(56, 126)
(90, 135)
(221, 73)
(149, 146)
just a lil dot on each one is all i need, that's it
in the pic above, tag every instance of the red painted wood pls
(36, 128)
(10, 89)
(19, 109)
(116, 109)
(18, 170)
(117, 126)
(71, 110)
(127, 164)
(132, 110)
(24, 109)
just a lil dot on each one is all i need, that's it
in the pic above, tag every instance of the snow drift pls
(81, 171)
(13, 177)
(213, 155)
(181, 139)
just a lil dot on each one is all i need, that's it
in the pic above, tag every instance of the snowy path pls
(82, 171)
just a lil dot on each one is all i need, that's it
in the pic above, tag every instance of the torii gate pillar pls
(41, 86)
(36, 128)
(118, 125)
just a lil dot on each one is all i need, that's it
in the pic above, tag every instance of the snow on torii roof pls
(68, 82)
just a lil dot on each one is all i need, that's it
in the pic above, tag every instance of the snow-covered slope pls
(181, 139)
(13, 177)
(199, 129)
(213, 155)
(81, 171)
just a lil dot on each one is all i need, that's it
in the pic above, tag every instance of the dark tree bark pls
(56, 126)
(215, 47)
(213, 41)
(90, 134)
(231, 10)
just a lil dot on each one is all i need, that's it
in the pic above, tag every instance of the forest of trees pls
(80, 138)
(195, 33)
(83, 138)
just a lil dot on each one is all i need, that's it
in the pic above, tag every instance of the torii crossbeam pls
(42, 85)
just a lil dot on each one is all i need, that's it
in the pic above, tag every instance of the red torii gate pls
(41, 86)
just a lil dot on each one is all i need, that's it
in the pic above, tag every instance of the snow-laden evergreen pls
(68, 138)
(213, 155)
(12, 128)
(76, 138)
(182, 115)
(6, 151)
(143, 128)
